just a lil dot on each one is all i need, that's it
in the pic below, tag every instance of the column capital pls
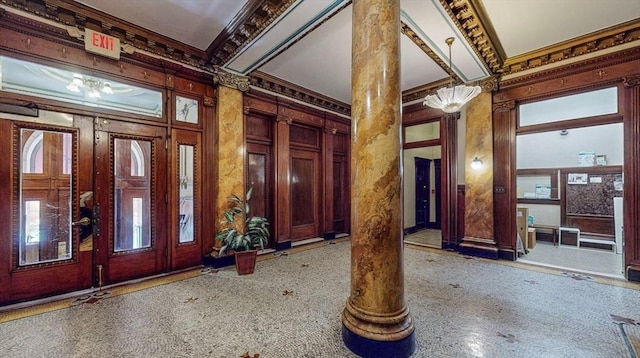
(631, 81)
(504, 106)
(222, 77)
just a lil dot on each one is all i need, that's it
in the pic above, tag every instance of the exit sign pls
(102, 44)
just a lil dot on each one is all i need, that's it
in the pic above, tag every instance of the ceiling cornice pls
(71, 13)
(589, 43)
(471, 19)
(408, 31)
(276, 85)
(250, 21)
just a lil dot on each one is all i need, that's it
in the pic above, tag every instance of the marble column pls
(229, 147)
(478, 221)
(376, 320)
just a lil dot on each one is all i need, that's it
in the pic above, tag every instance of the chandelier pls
(451, 98)
(93, 86)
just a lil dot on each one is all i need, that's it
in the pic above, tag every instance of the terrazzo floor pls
(595, 261)
(427, 237)
(291, 307)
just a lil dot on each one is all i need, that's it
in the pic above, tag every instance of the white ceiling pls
(310, 43)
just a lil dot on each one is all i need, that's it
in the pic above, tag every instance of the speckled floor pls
(291, 307)
(427, 237)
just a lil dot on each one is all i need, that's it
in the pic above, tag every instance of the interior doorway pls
(568, 180)
(422, 196)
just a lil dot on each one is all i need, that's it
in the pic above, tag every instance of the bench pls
(569, 229)
(554, 230)
(600, 239)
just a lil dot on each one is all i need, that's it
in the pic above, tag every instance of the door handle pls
(85, 221)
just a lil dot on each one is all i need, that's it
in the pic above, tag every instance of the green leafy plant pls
(241, 231)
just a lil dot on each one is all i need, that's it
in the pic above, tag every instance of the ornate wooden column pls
(376, 320)
(631, 95)
(283, 183)
(230, 149)
(504, 178)
(478, 221)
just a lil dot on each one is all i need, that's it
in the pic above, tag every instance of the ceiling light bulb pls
(94, 93)
(106, 88)
(73, 87)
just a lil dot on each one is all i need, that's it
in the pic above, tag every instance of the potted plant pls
(242, 233)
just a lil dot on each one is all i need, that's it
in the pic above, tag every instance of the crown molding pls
(275, 85)
(580, 65)
(250, 21)
(471, 19)
(408, 31)
(73, 14)
(587, 44)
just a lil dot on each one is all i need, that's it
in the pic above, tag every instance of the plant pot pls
(246, 261)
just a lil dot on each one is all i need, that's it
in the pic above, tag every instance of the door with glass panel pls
(185, 184)
(46, 193)
(130, 200)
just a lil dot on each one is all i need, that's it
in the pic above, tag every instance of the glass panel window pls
(132, 195)
(588, 104)
(45, 196)
(32, 79)
(420, 132)
(186, 175)
(186, 110)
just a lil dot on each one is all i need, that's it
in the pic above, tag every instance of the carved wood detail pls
(278, 86)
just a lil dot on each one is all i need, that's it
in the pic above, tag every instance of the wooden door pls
(48, 189)
(259, 173)
(131, 194)
(185, 238)
(305, 194)
(422, 192)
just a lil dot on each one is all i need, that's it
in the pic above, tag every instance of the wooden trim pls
(604, 169)
(538, 201)
(422, 143)
(570, 124)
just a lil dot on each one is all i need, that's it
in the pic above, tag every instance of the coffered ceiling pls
(307, 43)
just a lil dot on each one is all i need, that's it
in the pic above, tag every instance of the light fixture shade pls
(476, 163)
(451, 99)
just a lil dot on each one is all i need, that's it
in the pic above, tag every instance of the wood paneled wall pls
(310, 175)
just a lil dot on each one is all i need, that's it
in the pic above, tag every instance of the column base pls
(284, 245)
(633, 272)
(365, 347)
(331, 235)
(369, 334)
(474, 246)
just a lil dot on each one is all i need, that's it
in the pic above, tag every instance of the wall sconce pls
(476, 163)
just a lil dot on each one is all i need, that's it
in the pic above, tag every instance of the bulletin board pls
(593, 194)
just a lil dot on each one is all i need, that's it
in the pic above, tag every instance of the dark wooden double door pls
(89, 206)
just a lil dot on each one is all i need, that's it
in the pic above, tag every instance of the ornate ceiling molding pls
(408, 31)
(222, 77)
(73, 14)
(251, 20)
(590, 43)
(275, 85)
(472, 21)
